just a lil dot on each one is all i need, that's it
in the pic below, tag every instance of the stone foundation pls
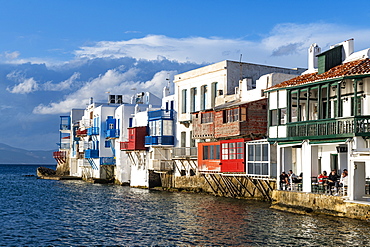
(301, 202)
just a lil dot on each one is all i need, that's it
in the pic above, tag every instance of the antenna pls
(241, 71)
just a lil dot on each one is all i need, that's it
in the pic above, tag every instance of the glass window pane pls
(250, 168)
(211, 152)
(257, 169)
(258, 152)
(167, 128)
(250, 152)
(265, 169)
(265, 152)
(217, 152)
(205, 152)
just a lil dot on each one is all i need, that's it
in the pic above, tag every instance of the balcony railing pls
(112, 133)
(330, 128)
(59, 155)
(107, 161)
(160, 114)
(64, 145)
(131, 145)
(161, 165)
(65, 127)
(91, 153)
(159, 140)
(185, 152)
(93, 131)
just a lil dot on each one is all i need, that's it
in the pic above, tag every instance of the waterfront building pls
(320, 119)
(220, 107)
(94, 135)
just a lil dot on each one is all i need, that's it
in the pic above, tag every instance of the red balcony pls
(60, 156)
(136, 139)
(81, 132)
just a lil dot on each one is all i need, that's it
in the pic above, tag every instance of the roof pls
(358, 67)
(234, 103)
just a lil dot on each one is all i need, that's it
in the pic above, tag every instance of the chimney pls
(312, 58)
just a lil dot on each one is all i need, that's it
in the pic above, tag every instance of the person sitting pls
(343, 181)
(322, 178)
(284, 180)
(299, 179)
(332, 181)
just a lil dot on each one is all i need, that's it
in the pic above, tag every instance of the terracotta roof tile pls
(358, 67)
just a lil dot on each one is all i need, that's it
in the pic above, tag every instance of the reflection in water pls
(42, 212)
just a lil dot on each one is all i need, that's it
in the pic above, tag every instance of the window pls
(294, 106)
(183, 139)
(258, 159)
(214, 88)
(274, 117)
(211, 152)
(193, 99)
(231, 115)
(167, 128)
(283, 116)
(232, 150)
(204, 97)
(207, 117)
(353, 107)
(107, 144)
(183, 101)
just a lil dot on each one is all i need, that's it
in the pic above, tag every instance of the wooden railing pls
(340, 127)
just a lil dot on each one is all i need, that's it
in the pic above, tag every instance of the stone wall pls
(300, 202)
(216, 184)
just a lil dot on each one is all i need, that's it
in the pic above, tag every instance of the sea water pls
(36, 212)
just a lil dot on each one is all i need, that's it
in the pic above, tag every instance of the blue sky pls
(55, 55)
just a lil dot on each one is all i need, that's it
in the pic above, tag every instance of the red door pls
(232, 155)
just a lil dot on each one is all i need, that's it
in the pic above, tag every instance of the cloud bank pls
(40, 89)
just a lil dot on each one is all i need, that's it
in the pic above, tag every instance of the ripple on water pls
(58, 213)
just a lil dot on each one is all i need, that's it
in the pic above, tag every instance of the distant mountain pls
(11, 155)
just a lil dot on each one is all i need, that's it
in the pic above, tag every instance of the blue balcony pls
(107, 161)
(112, 133)
(159, 140)
(160, 114)
(91, 154)
(65, 123)
(93, 131)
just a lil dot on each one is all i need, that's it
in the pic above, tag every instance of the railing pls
(185, 152)
(64, 145)
(160, 114)
(112, 133)
(159, 140)
(107, 161)
(65, 127)
(93, 131)
(59, 155)
(91, 153)
(342, 127)
(161, 165)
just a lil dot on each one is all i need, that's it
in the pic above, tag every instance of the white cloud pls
(63, 85)
(285, 45)
(28, 85)
(12, 55)
(112, 81)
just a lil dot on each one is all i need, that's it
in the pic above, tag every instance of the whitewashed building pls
(320, 120)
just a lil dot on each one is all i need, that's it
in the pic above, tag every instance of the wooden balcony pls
(59, 155)
(81, 132)
(329, 128)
